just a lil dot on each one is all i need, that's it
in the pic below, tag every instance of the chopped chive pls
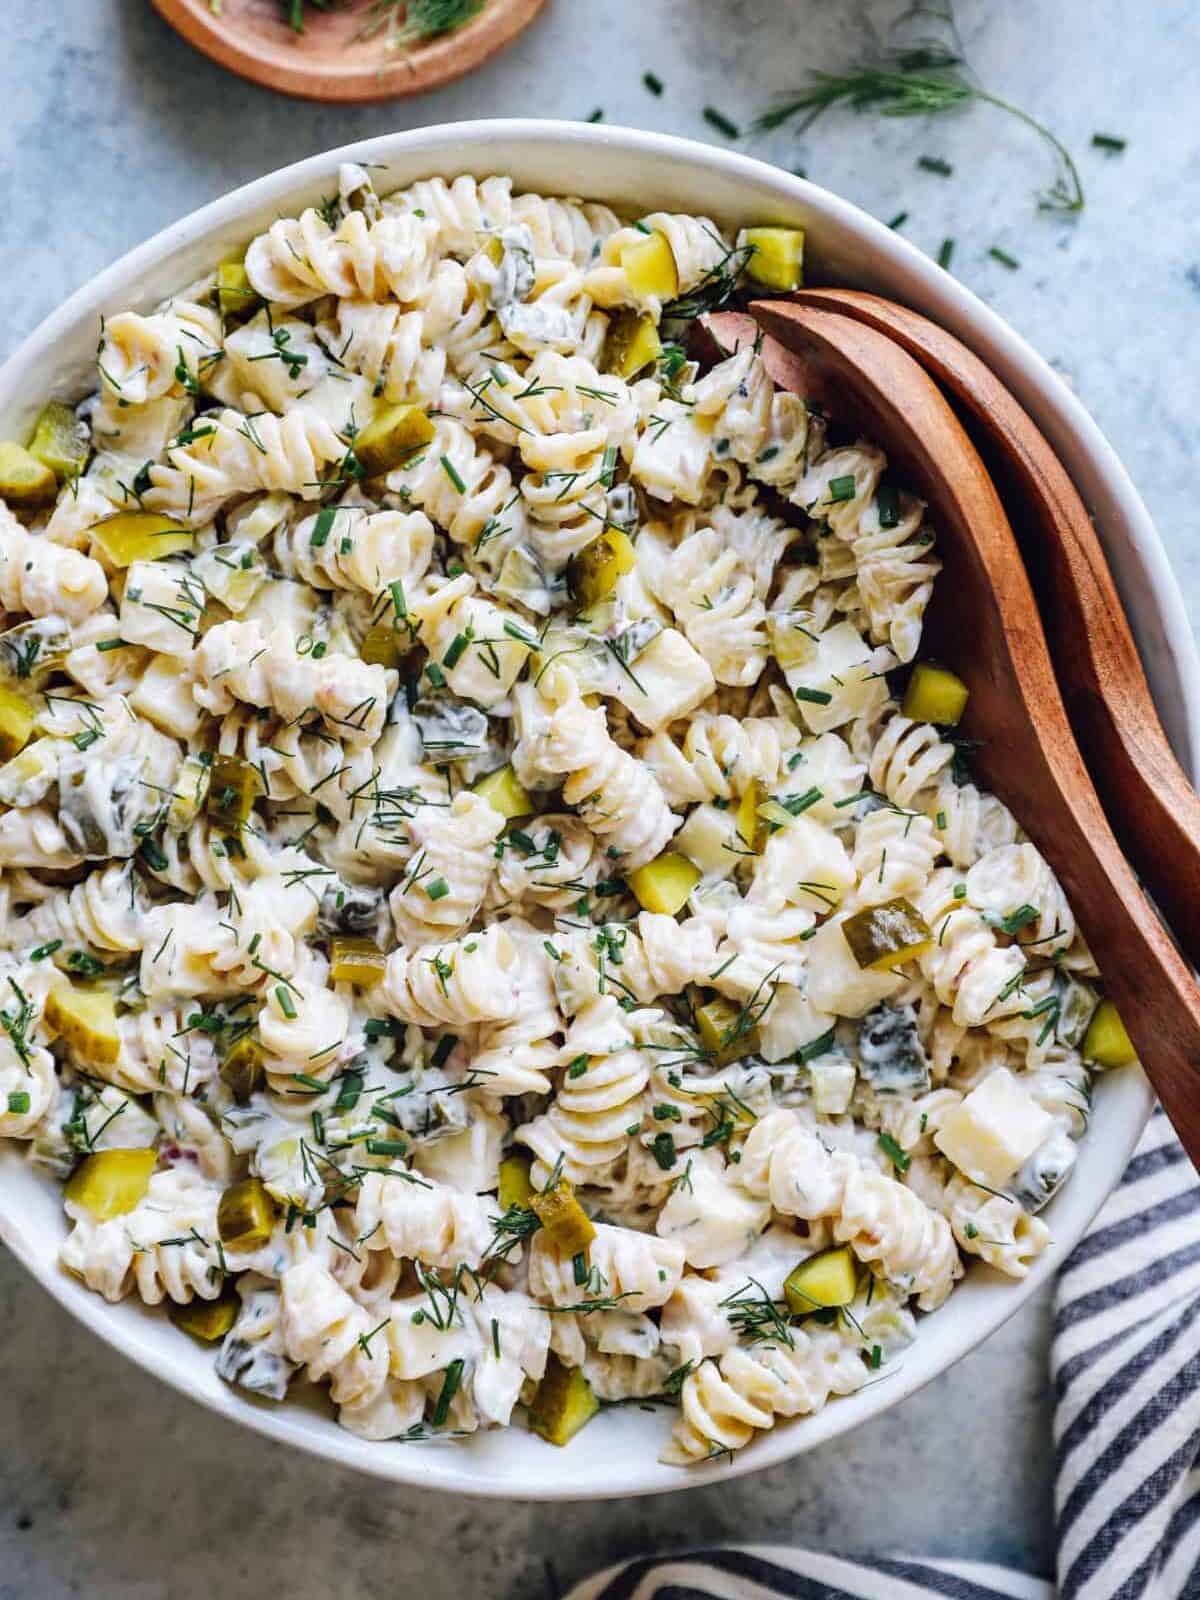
(308, 1081)
(721, 123)
(935, 164)
(323, 527)
(662, 1147)
(109, 644)
(608, 470)
(578, 1067)
(44, 950)
(579, 1269)
(841, 488)
(899, 1158)
(1108, 141)
(1003, 257)
(597, 115)
(438, 889)
(449, 469)
(653, 82)
(435, 675)
(887, 503)
(86, 739)
(454, 653)
(18, 1102)
(387, 1147)
(397, 593)
(814, 697)
(898, 220)
(443, 1049)
(946, 254)
(449, 1389)
(286, 1004)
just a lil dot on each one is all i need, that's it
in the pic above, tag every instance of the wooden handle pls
(984, 621)
(1153, 808)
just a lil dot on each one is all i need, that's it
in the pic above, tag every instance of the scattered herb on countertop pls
(921, 82)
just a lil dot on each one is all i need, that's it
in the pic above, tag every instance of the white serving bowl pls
(642, 171)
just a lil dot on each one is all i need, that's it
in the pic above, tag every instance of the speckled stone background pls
(112, 1485)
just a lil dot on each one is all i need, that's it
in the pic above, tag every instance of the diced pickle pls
(1106, 1043)
(87, 1020)
(881, 937)
(208, 1320)
(750, 826)
(60, 440)
(131, 536)
(16, 721)
(593, 573)
(246, 1215)
(726, 1031)
(242, 1069)
(567, 1224)
(649, 267)
(235, 296)
(515, 1186)
(778, 258)
(665, 883)
(504, 792)
(111, 1182)
(633, 343)
(564, 1402)
(381, 646)
(394, 434)
(233, 787)
(358, 961)
(827, 1279)
(934, 695)
(24, 480)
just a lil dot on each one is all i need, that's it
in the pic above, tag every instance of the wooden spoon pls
(984, 622)
(1154, 810)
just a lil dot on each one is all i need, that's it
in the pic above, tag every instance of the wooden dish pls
(331, 60)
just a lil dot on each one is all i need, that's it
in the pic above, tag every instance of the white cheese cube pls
(672, 678)
(161, 607)
(832, 1079)
(164, 697)
(992, 1133)
(842, 679)
(789, 1023)
(836, 982)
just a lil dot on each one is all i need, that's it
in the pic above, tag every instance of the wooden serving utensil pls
(1154, 810)
(984, 623)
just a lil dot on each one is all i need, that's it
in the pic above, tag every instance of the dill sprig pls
(922, 82)
(409, 22)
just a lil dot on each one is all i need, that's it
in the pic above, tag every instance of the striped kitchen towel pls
(1126, 1368)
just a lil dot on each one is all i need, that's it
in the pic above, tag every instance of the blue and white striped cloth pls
(1126, 1368)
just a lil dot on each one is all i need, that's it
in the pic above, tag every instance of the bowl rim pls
(1064, 418)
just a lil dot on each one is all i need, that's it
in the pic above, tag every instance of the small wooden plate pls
(331, 60)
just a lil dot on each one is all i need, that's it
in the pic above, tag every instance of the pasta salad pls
(496, 917)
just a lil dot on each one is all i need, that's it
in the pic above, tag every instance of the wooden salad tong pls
(1154, 810)
(983, 622)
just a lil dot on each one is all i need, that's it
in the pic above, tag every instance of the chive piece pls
(438, 889)
(443, 1048)
(814, 697)
(396, 591)
(86, 739)
(578, 1067)
(887, 503)
(841, 489)
(898, 220)
(653, 82)
(109, 644)
(608, 470)
(455, 652)
(721, 123)
(309, 1082)
(935, 164)
(449, 1389)
(1018, 919)
(285, 1002)
(898, 1157)
(323, 527)
(946, 254)
(449, 469)
(387, 1147)
(662, 1147)
(579, 1269)
(1003, 257)
(1109, 141)
(597, 115)
(435, 675)
(18, 1102)
(816, 1047)
(44, 950)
